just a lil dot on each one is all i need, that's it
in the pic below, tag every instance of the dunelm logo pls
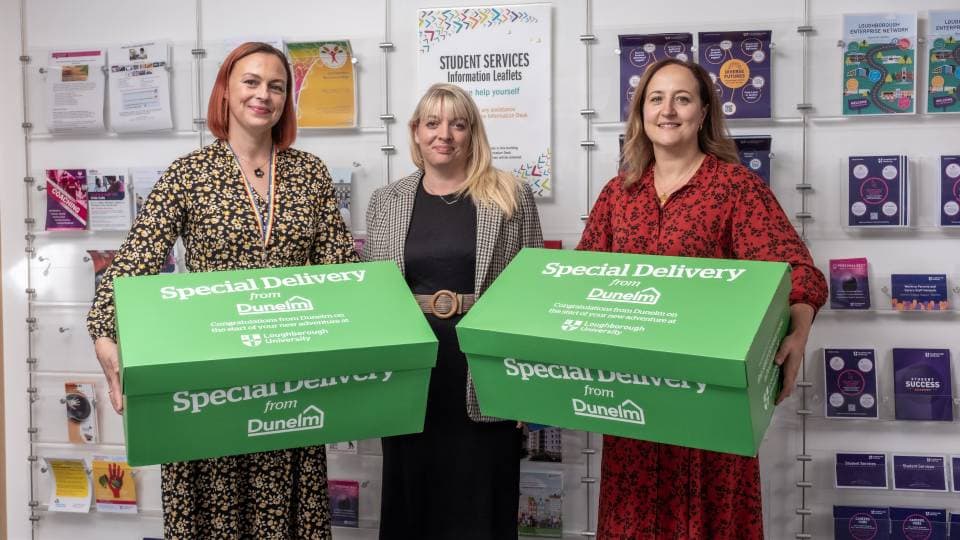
(628, 411)
(251, 340)
(310, 418)
(648, 296)
(570, 325)
(295, 303)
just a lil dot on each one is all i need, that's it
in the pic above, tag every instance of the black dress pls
(458, 479)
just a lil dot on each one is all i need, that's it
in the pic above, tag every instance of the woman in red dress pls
(682, 192)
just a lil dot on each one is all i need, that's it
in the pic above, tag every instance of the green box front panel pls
(645, 407)
(184, 426)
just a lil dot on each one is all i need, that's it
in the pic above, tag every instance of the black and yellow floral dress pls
(202, 197)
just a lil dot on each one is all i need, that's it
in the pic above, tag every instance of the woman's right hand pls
(109, 357)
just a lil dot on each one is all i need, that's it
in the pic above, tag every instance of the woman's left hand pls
(790, 355)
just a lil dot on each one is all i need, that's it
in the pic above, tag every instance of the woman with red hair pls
(246, 201)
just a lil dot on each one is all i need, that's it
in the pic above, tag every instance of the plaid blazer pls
(498, 241)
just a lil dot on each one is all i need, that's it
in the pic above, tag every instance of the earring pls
(701, 127)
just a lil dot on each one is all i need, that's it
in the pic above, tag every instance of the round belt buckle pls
(454, 304)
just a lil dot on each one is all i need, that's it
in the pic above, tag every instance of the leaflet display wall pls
(48, 276)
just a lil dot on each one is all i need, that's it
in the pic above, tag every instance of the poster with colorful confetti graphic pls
(739, 64)
(324, 84)
(501, 55)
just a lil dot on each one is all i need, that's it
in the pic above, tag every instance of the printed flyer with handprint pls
(114, 489)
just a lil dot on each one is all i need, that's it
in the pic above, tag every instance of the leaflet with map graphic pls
(861, 522)
(879, 63)
(922, 384)
(943, 79)
(918, 523)
(110, 208)
(849, 284)
(541, 502)
(67, 208)
(344, 502)
(878, 191)
(754, 152)
(850, 383)
(739, 64)
(860, 471)
(950, 191)
(919, 292)
(919, 472)
(639, 51)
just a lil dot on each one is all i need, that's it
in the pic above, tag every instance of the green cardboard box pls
(225, 363)
(669, 349)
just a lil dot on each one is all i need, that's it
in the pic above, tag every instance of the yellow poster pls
(324, 84)
(113, 485)
(71, 485)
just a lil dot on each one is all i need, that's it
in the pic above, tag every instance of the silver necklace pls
(448, 203)
(442, 198)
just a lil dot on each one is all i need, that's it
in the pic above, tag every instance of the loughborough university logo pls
(251, 340)
(570, 325)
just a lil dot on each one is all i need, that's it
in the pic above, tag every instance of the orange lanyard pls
(265, 222)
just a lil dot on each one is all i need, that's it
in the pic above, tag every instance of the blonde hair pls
(485, 183)
(712, 138)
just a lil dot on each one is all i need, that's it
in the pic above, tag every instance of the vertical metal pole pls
(386, 117)
(588, 39)
(804, 107)
(198, 55)
(30, 251)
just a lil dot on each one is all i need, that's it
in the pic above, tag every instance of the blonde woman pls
(451, 226)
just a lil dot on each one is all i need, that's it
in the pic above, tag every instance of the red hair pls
(218, 115)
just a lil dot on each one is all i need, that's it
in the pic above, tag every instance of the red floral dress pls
(658, 491)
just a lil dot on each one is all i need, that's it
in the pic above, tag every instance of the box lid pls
(686, 318)
(218, 329)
